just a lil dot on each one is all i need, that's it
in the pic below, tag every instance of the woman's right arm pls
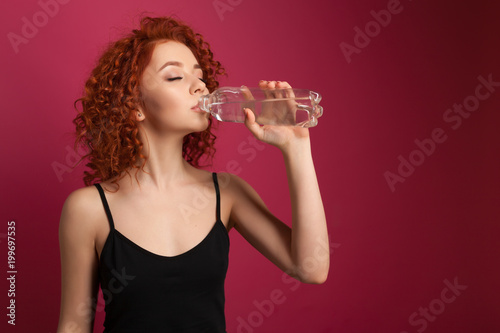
(79, 262)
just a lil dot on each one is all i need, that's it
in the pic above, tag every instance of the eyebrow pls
(178, 64)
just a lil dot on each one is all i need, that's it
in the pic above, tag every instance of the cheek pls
(159, 102)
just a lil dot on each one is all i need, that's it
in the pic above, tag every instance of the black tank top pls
(147, 292)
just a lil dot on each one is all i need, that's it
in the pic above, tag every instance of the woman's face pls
(171, 87)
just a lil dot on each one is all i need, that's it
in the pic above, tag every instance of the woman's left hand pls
(282, 137)
(291, 249)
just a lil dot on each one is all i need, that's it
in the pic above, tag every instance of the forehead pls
(172, 51)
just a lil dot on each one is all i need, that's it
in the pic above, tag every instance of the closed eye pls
(179, 78)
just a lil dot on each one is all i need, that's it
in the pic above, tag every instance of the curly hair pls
(106, 126)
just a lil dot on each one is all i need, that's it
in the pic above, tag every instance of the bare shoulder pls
(237, 189)
(231, 183)
(81, 212)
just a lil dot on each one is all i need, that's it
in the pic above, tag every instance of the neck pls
(164, 162)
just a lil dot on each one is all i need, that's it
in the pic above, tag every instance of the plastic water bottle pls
(289, 107)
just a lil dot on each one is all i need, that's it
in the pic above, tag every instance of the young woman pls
(139, 228)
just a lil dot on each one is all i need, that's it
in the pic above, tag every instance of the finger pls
(287, 92)
(286, 88)
(250, 123)
(263, 87)
(247, 94)
(278, 92)
(271, 87)
(283, 84)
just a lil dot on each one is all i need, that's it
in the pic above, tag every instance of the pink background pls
(392, 249)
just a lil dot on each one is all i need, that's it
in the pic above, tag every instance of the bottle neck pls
(204, 103)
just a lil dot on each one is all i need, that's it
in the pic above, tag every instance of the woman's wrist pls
(297, 148)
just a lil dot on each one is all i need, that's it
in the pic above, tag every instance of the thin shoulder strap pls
(217, 193)
(106, 206)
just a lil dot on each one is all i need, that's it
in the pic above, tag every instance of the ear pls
(139, 115)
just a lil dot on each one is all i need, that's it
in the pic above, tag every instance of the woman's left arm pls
(303, 250)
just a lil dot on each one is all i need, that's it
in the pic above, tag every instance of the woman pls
(138, 231)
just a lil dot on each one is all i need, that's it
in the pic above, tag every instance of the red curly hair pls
(107, 127)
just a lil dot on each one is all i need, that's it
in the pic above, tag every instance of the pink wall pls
(402, 235)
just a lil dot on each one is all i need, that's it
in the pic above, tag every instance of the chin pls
(201, 126)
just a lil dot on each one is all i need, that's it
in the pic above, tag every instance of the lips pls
(196, 108)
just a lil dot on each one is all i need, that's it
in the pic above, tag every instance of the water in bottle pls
(288, 106)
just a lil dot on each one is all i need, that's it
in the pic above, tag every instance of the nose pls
(198, 86)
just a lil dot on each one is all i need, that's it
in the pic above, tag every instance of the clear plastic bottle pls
(289, 107)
